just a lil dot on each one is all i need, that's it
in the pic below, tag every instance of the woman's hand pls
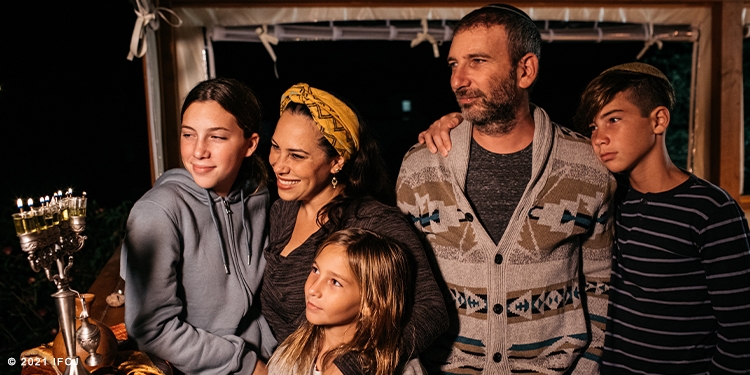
(437, 137)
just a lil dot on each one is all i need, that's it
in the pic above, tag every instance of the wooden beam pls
(726, 106)
(169, 93)
(147, 95)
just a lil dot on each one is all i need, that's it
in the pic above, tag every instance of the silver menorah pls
(50, 235)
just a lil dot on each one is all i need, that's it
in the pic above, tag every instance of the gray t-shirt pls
(495, 184)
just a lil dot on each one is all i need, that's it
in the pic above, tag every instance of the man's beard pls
(494, 114)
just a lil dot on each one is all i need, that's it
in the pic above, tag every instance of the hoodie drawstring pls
(244, 225)
(218, 231)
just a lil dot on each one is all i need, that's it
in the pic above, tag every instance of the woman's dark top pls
(283, 297)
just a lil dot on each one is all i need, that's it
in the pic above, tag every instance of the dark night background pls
(73, 114)
(377, 76)
(72, 106)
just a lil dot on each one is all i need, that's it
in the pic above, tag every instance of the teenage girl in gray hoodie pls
(193, 253)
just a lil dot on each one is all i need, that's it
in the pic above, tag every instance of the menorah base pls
(65, 304)
(75, 367)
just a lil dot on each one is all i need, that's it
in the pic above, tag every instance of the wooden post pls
(170, 99)
(727, 128)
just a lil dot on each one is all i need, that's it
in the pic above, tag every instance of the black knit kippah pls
(509, 8)
(640, 68)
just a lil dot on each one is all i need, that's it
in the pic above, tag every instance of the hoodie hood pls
(242, 186)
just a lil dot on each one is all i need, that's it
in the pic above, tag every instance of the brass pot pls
(107, 342)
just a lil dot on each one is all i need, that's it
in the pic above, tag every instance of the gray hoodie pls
(193, 263)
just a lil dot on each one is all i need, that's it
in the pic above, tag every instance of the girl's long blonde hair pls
(382, 269)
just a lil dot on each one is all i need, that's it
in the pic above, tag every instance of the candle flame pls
(30, 202)
(59, 193)
(20, 203)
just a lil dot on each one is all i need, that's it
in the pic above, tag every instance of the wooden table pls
(108, 282)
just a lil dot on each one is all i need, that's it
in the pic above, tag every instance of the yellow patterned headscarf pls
(336, 120)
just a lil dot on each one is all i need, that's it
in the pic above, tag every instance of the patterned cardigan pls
(537, 302)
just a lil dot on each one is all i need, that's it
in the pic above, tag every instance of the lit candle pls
(54, 209)
(46, 211)
(18, 218)
(82, 211)
(64, 205)
(19, 221)
(25, 222)
(38, 214)
(77, 205)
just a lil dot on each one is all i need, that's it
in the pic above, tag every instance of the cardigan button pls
(498, 308)
(497, 357)
(498, 258)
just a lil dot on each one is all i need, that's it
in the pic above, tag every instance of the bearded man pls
(518, 215)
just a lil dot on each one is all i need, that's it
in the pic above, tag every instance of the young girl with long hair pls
(356, 303)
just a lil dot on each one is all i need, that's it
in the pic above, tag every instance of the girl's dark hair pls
(239, 100)
(364, 175)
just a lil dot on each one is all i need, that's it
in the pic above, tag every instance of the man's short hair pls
(523, 35)
(645, 86)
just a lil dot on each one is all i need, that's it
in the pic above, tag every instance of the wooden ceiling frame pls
(724, 136)
(427, 3)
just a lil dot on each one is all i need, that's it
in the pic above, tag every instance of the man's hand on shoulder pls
(437, 137)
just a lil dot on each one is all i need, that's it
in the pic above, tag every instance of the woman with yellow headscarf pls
(330, 176)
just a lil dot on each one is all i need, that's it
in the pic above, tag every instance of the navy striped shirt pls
(679, 301)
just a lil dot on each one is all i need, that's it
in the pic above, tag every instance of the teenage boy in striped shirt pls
(679, 298)
(679, 301)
